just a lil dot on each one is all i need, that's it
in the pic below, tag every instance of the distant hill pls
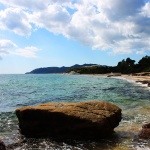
(126, 66)
(63, 69)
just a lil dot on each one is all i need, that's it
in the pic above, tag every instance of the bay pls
(32, 89)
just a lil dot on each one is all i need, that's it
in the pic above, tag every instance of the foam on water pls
(134, 82)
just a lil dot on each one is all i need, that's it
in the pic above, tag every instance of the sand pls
(136, 78)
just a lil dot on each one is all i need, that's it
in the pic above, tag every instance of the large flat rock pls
(92, 119)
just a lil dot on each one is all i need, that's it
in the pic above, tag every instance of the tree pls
(144, 64)
(126, 66)
(130, 62)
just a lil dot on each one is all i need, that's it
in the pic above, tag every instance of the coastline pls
(136, 78)
(142, 80)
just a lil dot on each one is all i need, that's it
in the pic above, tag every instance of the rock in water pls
(2, 145)
(145, 131)
(83, 120)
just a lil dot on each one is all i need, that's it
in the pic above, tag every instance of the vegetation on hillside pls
(127, 66)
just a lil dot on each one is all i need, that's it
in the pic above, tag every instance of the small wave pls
(133, 81)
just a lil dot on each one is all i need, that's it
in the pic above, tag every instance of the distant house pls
(114, 74)
(73, 73)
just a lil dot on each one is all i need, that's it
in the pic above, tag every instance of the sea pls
(32, 89)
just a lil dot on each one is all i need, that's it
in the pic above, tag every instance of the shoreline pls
(136, 78)
(140, 80)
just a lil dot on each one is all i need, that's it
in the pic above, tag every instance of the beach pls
(132, 78)
(142, 80)
(136, 78)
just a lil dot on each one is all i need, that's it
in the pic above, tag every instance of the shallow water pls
(22, 90)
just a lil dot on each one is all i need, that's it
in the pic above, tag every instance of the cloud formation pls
(118, 26)
(29, 51)
(16, 20)
(8, 47)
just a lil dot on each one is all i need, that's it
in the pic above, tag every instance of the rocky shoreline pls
(147, 82)
(143, 79)
(139, 79)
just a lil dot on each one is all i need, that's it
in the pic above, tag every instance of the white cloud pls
(34, 5)
(55, 18)
(116, 10)
(29, 52)
(26, 4)
(146, 10)
(8, 47)
(118, 25)
(140, 52)
(16, 20)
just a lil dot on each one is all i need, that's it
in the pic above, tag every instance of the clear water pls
(22, 90)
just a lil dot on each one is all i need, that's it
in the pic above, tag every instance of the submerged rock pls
(2, 145)
(86, 120)
(145, 131)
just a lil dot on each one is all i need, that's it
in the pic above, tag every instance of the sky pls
(47, 33)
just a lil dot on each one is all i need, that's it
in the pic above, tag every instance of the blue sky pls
(34, 34)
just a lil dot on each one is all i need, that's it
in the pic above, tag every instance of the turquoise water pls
(22, 90)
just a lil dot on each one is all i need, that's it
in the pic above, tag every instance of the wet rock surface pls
(2, 145)
(145, 131)
(83, 120)
(144, 82)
